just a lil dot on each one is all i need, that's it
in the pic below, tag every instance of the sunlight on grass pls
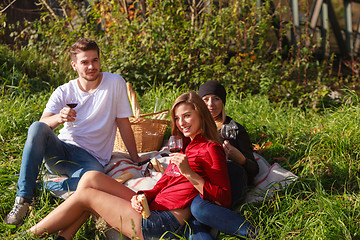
(321, 148)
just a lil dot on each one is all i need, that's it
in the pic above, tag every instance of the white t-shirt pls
(95, 125)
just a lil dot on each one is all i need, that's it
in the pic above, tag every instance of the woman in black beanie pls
(241, 164)
(236, 141)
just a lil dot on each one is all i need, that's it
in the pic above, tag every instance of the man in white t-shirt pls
(90, 108)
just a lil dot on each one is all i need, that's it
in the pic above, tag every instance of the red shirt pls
(206, 159)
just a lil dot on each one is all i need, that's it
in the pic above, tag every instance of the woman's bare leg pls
(103, 182)
(100, 181)
(115, 210)
(62, 217)
(70, 232)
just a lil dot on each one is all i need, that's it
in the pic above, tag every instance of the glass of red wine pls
(228, 132)
(175, 145)
(71, 102)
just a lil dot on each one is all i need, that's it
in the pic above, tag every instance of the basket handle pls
(133, 100)
(166, 111)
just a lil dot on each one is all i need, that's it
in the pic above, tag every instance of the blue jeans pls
(42, 145)
(215, 216)
(239, 183)
(197, 231)
(160, 224)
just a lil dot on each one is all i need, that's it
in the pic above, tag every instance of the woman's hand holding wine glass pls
(175, 145)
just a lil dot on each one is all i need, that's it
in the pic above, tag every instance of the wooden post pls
(258, 8)
(315, 13)
(337, 30)
(295, 33)
(325, 29)
(348, 26)
(357, 39)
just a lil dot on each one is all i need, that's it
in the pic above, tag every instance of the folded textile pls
(118, 165)
(269, 179)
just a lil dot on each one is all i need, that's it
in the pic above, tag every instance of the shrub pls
(174, 44)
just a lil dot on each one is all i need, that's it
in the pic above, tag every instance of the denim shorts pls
(160, 224)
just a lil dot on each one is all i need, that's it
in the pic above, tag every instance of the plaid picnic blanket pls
(269, 179)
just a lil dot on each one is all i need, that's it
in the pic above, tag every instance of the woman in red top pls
(202, 167)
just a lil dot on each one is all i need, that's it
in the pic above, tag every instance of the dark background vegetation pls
(177, 43)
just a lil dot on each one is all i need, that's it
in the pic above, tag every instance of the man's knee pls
(38, 128)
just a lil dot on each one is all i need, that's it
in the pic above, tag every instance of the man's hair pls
(207, 125)
(83, 44)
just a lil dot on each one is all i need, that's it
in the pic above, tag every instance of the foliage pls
(18, 72)
(176, 43)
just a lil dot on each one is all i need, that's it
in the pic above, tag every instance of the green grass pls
(322, 148)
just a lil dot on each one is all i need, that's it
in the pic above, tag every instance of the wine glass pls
(71, 102)
(228, 132)
(175, 145)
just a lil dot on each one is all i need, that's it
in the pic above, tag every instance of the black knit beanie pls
(213, 88)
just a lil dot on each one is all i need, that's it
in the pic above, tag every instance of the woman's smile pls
(187, 120)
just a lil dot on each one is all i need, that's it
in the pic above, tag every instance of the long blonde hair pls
(207, 127)
(220, 119)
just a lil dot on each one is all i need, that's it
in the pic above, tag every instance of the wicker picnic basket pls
(148, 132)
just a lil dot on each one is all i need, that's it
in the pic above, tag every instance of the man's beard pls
(92, 78)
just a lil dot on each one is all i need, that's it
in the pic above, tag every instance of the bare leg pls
(104, 183)
(115, 210)
(100, 181)
(70, 232)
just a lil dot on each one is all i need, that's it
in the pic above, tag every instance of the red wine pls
(72, 105)
(175, 150)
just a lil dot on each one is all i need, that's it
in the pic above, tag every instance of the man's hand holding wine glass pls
(67, 114)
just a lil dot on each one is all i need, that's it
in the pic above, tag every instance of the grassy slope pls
(321, 148)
